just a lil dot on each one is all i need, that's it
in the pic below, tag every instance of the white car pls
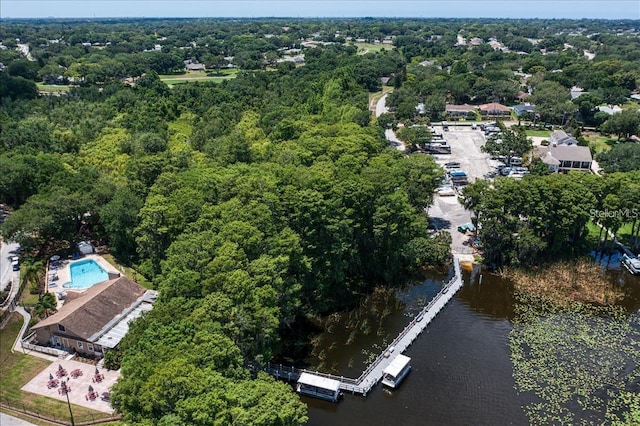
(446, 191)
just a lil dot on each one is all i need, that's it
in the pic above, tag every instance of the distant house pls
(523, 109)
(564, 158)
(193, 65)
(460, 111)
(97, 319)
(559, 137)
(494, 109)
(610, 109)
(576, 91)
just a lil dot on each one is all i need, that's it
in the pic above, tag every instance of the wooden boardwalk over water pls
(372, 375)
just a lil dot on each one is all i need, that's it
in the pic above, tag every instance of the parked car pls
(452, 165)
(516, 161)
(466, 227)
(15, 266)
(505, 171)
(446, 191)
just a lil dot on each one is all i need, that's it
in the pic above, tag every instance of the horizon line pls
(318, 17)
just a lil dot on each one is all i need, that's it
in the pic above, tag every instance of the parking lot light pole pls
(63, 386)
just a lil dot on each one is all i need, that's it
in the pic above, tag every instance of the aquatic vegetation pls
(576, 359)
(566, 282)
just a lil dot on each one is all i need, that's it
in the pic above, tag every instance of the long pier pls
(372, 375)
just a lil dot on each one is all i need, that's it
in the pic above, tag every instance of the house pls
(576, 91)
(558, 137)
(460, 111)
(193, 65)
(523, 109)
(610, 109)
(494, 109)
(97, 319)
(564, 159)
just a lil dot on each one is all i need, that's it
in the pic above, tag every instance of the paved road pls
(6, 274)
(7, 420)
(381, 108)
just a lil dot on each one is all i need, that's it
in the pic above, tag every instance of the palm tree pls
(45, 306)
(33, 273)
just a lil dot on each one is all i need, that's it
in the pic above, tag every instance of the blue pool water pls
(85, 274)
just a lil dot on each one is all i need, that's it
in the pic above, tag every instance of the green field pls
(538, 133)
(171, 79)
(370, 47)
(52, 88)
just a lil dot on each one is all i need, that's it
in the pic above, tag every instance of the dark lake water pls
(462, 372)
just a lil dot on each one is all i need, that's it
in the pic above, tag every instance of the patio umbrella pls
(97, 372)
(60, 367)
(50, 376)
(90, 388)
(55, 258)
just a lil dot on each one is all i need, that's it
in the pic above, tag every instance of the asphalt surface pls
(6, 273)
(447, 213)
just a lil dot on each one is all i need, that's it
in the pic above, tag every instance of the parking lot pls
(446, 212)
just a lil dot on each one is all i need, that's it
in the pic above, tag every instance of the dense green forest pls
(544, 218)
(272, 196)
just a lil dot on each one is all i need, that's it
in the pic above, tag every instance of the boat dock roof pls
(318, 381)
(397, 365)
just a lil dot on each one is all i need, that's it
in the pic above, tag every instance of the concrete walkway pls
(7, 420)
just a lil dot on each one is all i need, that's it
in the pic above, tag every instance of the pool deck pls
(63, 273)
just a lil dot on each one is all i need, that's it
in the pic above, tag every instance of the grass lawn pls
(598, 142)
(17, 369)
(52, 88)
(370, 47)
(129, 272)
(623, 234)
(634, 106)
(538, 133)
(171, 79)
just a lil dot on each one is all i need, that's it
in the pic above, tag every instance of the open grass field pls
(52, 88)
(171, 79)
(538, 133)
(17, 369)
(370, 47)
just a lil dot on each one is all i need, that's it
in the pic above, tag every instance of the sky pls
(574, 9)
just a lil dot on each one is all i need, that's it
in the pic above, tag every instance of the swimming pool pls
(85, 274)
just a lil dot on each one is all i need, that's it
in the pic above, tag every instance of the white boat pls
(396, 371)
(631, 263)
(319, 387)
